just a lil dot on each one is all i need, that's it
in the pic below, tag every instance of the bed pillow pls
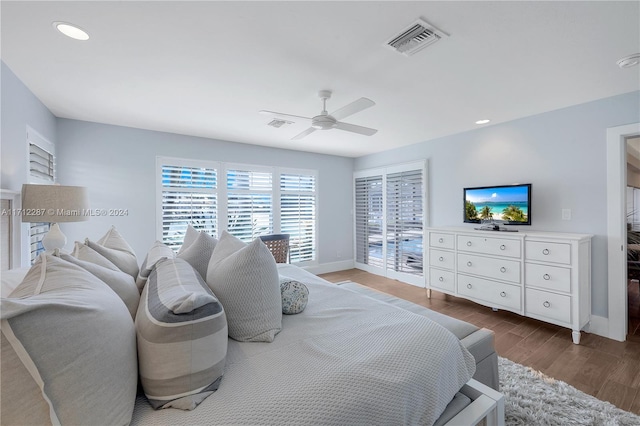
(115, 248)
(157, 252)
(189, 237)
(86, 253)
(295, 296)
(120, 282)
(198, 254)
(245, 279)
(182, 337)
(68, 349)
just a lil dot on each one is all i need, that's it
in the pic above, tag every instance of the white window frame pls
(223, 192)
(417, 280)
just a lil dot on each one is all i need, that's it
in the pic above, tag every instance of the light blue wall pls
(118, 165)
(19, 108)
(562, 153)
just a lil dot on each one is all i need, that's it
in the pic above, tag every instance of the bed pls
(346, 359)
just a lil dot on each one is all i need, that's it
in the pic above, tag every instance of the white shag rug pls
(531, 398)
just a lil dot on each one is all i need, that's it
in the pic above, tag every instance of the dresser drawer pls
(546, 276)
(548, 252)
(501, 269)
(548, 305)
(441, 259)
(441, 279)
(483, 245)
(493, 293)
(438, 240)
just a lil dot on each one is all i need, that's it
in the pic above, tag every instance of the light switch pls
(566, 214)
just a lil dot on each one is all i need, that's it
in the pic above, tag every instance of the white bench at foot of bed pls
(486, 404)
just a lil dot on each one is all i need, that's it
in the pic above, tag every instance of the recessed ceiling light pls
(629, 61)
(71, 31)
(485, 121)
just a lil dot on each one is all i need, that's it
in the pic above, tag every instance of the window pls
(41, 172)
(368, 226)
(298, 214)
(389, 221)
(247, 201)
(188, 196)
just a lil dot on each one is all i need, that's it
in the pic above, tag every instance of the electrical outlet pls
(566, 214)
(338, 255)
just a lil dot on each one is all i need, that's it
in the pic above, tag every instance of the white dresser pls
(542, 275)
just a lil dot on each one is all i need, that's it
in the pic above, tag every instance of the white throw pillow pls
(86, 253)
(115, 248)
(68, 349)
(295, 296)
(245, 279)
(198, 254)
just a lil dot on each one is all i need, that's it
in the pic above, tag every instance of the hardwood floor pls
(601, 367)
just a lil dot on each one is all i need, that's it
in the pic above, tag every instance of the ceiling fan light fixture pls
(629, 61)
(71, 30)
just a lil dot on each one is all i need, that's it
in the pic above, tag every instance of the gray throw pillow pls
(182, 337)
(115, 248)
(157, 252)
(120, 282)
(245, 279)
(68, 349)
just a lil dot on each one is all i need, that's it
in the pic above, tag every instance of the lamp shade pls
(54, 203)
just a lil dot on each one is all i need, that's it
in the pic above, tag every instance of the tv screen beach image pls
(508, 204)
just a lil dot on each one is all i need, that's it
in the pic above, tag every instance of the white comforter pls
(346, 360)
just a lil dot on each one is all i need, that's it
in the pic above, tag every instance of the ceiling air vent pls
(417, 36)
(278, 123)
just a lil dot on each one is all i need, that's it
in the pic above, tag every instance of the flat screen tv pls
(504, 204)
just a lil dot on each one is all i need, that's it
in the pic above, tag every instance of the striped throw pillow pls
(182, 337)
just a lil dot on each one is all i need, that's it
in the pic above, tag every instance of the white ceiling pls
(207, 68)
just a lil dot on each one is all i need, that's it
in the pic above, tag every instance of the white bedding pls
(346, 359)
(10, 280)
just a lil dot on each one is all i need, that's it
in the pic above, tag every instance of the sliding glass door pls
(390, 206)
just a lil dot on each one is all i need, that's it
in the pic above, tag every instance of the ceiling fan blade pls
(352, 108)
(279, 114)
(303, 134)
(367, 131)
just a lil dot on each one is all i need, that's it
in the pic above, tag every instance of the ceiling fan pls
(326, 121)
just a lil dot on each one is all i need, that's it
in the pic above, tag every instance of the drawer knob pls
(469, 286)
(545, 252)
(546, 304)
(502, 247)
(441, 240)
(441, 279)
(503, 269)
(503, 294)
(468, 243)
(546, 277)
(469, 263)
(441, 259)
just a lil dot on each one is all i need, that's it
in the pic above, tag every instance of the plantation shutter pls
(41, 164)
(189, 196)
(249, 203)
(298, 214)
(42, 172)
(369, 220)
(404, 221)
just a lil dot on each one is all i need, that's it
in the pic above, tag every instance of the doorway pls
(616, 228)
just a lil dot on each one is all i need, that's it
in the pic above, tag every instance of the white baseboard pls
(325, 268)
